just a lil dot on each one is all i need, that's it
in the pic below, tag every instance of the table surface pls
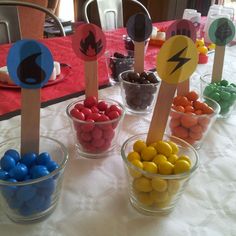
(94, 197)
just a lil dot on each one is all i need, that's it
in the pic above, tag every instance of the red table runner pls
(74, 84)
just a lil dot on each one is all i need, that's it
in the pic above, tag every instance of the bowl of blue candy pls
(30, 184)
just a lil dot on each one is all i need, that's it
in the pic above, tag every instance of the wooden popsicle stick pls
(176, 61)
(30, 120)
(91, 78)
(183, 88)
(161, 112)
(139, 48)
(218, 64)
(89, 43)
(30, 65)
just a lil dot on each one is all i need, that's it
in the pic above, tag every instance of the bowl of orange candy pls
(204, 50)
(191, 117)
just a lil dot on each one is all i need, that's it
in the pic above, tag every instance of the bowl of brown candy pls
(139, 90)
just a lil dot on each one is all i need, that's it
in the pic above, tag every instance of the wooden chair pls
(110, 12)
(23, 22)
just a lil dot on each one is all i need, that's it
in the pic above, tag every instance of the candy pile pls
(139, 89)
(187, 120)
(119, 63)
(95, 123)
(223, 93)
(32, 198)
(203, 50)
(162, 158)
(129, 45)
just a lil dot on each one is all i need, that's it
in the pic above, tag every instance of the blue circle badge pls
(30, 64)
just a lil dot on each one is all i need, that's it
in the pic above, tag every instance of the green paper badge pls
(221, 31)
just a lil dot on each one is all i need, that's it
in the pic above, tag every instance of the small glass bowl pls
(190, 127)
(138, 98)
(129, 44)
(222, 92)
(149, 201)
(117, 65)
(33, 200)
(95, 139)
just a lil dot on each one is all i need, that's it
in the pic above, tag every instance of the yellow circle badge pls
(177, 59)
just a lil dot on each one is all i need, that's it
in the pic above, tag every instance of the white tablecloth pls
(94, 198)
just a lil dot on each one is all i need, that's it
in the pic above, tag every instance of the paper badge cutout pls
(88, 42)
(177, 59)
(221, 31)
(30, 64)
(182, 27)
(139, 27)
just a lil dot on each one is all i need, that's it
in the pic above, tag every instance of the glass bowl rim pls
(95, 122)
(34, 181)
(208, 74)
(151, 175)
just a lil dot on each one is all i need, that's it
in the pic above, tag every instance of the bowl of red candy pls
(96, 124)
(117, 63)
(30, 183)
(139, 90)
(191, 117)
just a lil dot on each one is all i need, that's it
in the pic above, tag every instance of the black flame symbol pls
(89, 46)
(223, 32)
(29, 72)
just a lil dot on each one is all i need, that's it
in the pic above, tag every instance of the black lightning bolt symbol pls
(181, 61)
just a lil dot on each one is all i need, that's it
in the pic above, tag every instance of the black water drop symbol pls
(29, 72)
(223, 32)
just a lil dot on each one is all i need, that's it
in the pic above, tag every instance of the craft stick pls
(30, 65)
(89, 43)
(218, 64)
(139, 28)
(30, 120)
(187, 28)
(183, 88)
(221, 32)
(91, 78)
(139, 48)
(176, 61)
(161, 112)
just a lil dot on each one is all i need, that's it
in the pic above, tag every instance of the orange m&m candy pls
(180, 132)
(188, 121)
(192, 96)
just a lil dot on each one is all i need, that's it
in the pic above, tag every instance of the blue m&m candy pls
(19, 172)
(13, 153)
(3, 175)
(43, 158)
(7, 162)
(29, 159)
(30, 198)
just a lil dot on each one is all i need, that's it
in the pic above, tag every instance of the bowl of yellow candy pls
(157, 173)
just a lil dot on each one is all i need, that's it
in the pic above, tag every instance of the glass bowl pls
(191, 127)
(223, 92)
(156, 194)
(34, 199)
(138, 98)
(95, 139)
(118, 63)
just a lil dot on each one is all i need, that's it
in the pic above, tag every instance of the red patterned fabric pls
(74, 84)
